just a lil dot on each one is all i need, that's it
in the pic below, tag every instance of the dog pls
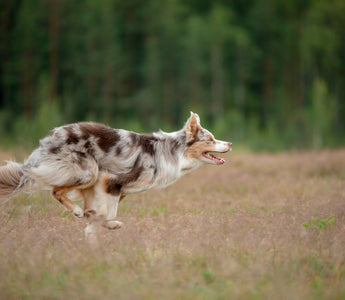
(103, 165)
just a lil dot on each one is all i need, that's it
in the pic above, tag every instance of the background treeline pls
(270, 74)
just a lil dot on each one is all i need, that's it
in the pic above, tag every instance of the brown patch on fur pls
(106, 137)
(110, 185)
(54, 150)
(89, 149)
(145, 141)
(133, 137)
(113, 184)
(193, 141)
(72, 138)
(81, 159)
(118, 151)
(89, 129)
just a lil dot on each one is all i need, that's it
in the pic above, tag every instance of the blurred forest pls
(268, 74)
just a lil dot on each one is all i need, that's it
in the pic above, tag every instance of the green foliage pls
(323, 113)
(48, 116)
(208, 276)
(316, 223)
(153, 211)
(268, 75)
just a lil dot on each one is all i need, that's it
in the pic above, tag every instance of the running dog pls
(104, 165)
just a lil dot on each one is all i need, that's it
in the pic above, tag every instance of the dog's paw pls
(112, 224)
(88, 213)
(78, 211)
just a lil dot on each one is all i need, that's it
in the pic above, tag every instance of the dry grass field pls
(262, 226)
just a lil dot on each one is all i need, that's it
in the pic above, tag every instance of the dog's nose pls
(230, 145)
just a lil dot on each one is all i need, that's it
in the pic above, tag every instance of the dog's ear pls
(197, 116)
(192, 126)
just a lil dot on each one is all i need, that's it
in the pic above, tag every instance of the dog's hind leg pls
(84, 178)
(59, 193)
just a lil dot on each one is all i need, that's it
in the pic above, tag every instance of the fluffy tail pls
(13, 180)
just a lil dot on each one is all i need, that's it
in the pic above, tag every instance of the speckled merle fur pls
(106, 164)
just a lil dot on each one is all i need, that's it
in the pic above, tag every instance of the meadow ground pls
(262, 226)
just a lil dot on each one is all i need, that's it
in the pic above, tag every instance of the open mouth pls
(216, 159)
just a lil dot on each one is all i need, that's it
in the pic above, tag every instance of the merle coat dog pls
(103, 164)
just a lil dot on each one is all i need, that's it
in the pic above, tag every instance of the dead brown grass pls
(262, 226)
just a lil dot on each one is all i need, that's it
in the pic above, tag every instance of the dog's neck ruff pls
(170, 158)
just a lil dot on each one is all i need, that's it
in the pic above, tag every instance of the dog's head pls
(200, 143)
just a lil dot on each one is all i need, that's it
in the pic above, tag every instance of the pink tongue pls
(216, 158)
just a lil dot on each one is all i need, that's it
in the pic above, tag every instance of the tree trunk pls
(217, 81)
(54, 47)
(4, 54)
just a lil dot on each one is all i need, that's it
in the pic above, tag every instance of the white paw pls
(78, 211)
(113, 224)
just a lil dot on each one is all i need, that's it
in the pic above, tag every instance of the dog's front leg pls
(112, 204)
(111, 191)
(101, 201)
